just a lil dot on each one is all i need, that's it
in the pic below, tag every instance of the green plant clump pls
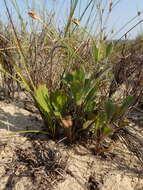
(76, 109)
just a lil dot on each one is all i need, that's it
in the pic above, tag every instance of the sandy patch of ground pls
(34, 162)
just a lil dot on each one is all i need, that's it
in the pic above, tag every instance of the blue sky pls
(124, 12)
(121, 14)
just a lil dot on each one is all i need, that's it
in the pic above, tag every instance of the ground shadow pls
(15, 119)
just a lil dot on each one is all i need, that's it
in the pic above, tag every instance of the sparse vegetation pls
(82, 83)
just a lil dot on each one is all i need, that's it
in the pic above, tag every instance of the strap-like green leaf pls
(109, 109)
(109, 49)
(95, 53)
(79, 75)
(59, 100)
(42, 98)
(77, 90)
(126, 103)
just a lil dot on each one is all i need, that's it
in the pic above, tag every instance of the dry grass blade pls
(132, 141)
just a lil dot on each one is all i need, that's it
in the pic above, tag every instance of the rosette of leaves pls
(111, 119)
(76, 108)
(70, 106)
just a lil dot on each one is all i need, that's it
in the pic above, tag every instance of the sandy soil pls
(33, 161)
